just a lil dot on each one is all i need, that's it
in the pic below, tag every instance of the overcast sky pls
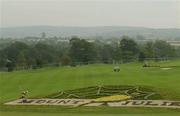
(145, 13)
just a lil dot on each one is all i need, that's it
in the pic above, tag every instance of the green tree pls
(10, 65)
(107, 54)
(178, 51)
(15, 51)
(82, 51)
(162, 49)
(44, 54)
(65, 60)
(141, 57)
(149, 50)
(21, 60)
(129, 49)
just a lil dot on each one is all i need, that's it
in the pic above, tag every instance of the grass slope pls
(45, 81)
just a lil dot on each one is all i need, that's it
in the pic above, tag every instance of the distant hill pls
(106, 32)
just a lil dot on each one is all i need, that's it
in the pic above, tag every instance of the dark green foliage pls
(80, 52)
(10, 65)
(129, 49)
(159, 50)
(141, 57)
(107, 54)
(163, 50)
(65, 60)
(178, 52)
(24, 56)
(149, 50)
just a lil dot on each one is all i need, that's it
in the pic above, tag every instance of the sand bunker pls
(166, 68)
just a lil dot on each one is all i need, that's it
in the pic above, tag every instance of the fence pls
(74, 64)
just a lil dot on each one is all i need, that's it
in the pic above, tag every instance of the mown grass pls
(50, 80)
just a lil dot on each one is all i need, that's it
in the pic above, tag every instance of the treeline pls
(19, 55)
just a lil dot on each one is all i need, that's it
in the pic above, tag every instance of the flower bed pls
(113, 92)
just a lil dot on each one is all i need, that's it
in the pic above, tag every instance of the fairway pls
(46, 81)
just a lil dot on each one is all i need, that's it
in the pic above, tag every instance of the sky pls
(141, 13)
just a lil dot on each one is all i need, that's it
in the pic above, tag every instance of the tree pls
(162, 49)
(15, 51)
(10, 65)
(3, 58)
(107, 54)
(178, 51)
(117, 52)
(129, 49)
(21, 60)
(82, 51)
(141, 57)
(65, 60)
(149, 50)
(44, 54)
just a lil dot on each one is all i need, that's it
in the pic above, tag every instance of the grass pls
(50, 80)
(67, 114)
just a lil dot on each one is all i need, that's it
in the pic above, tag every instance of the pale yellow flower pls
(113, 98)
